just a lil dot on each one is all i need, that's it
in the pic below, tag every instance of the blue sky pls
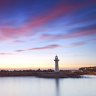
(32, 32)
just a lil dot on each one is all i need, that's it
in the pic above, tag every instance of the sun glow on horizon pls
(24, 62)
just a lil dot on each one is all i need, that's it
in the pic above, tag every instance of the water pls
(32, 86)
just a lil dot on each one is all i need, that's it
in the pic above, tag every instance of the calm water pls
(32, 86)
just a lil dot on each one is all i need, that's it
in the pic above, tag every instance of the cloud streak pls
(76, 44)
(53, 46)
(46, 47)
(68, 35)
(4, 53)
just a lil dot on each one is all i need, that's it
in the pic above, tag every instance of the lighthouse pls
(56, 64)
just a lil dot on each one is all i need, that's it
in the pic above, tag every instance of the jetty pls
(40, 73)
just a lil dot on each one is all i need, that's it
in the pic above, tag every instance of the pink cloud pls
(54, 13)
(28, 28)
(80, 34)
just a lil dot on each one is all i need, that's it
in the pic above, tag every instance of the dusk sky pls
(32, 32)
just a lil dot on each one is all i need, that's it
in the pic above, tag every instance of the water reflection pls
(57, 87)
(29, 86)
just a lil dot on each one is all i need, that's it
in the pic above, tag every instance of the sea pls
(34, 86)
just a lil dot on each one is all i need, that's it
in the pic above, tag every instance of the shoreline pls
(46, 73)
(40, 74)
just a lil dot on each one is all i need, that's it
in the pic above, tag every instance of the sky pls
(32, 32)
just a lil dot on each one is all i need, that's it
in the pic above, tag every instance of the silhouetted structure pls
(88, 69)
(40, 73)
(56, 64)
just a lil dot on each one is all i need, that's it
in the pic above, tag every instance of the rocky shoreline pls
(47, 73)
(41, 74)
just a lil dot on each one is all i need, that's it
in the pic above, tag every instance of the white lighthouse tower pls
(56, 64)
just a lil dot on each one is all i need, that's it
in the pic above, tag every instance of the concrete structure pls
(56, 64)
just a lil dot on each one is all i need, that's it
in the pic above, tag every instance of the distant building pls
(56, 64)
